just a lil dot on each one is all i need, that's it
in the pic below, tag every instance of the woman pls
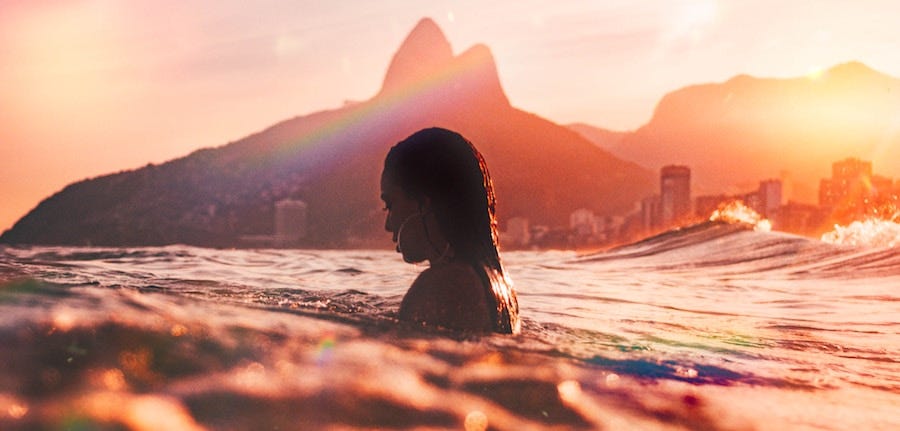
(440, 208)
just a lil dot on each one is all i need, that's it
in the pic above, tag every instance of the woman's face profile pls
(405, 219)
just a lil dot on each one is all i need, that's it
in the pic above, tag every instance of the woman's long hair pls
(445, 167)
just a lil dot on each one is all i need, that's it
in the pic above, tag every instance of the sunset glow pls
(452, 214)
(693, 17)
(92, 87)
(815, 72)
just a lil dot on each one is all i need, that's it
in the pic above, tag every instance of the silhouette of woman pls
(440, 208)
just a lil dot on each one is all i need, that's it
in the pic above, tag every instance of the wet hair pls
(446, 168)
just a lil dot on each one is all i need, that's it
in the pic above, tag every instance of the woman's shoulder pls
(453, 274)
(451, 295)
(454, 283)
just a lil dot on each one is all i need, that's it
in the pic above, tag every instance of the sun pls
(814, 72)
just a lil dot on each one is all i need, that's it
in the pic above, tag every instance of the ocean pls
(714, 326)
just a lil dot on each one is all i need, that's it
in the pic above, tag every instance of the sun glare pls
(814, 72)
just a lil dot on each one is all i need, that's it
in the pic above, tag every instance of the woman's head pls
(445, 177)
(440, 203)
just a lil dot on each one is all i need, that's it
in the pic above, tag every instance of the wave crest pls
(736, 211)
(870, 232)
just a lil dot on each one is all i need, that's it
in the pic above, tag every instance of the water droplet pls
(476, 420)
(612, 380)
(569, 390)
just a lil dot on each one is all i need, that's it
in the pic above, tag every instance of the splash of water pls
(736, 211)
(871, 232)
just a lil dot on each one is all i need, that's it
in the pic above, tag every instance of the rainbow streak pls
(324, 350)
(378, 111)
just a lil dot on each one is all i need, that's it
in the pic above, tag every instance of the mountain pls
(735, 133)
(332, 160)
(608, 140)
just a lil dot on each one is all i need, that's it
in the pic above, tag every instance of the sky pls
(91, 87)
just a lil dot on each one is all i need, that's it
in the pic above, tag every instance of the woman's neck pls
(442, 257)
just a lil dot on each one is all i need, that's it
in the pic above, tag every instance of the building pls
(582, 222)
(650, 213)
(854, 193)
(802, 219)
(766, 200)
(787, 186)
(706, 205)
(770, 198)
(290, 221)
(675, 194)
(850, 182)
(518, 232)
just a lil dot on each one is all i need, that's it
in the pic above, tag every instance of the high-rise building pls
(851, 169)
(290, 220)
(650, 213)
(787, 186)
(675, 194)
(850, 181)
(769, 197)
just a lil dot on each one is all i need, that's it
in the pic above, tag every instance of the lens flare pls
(324, 350)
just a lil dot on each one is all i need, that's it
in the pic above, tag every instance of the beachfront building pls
(650, 213)
(675, 194)
(854, 192)
(518, 232)
(582, 222)
(290, 221)
(706, 205)
(770, 198)
(850, 181)
(803, 219)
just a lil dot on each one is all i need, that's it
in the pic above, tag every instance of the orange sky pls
(92, 87)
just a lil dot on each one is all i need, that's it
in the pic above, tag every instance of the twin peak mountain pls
(332, 161)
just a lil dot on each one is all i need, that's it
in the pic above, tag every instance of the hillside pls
(608, 140)
(735, 133)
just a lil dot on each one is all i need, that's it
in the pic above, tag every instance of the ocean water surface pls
(713, 326)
